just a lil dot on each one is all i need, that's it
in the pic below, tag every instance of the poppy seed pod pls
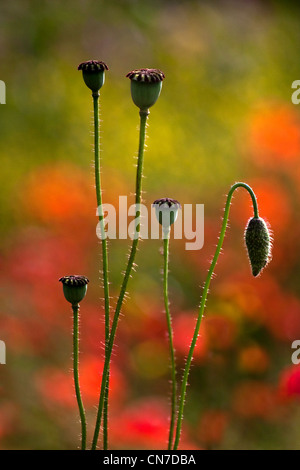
(93, 72)
(258, 243)
(166, 210)
(74, 288)
(146, 86)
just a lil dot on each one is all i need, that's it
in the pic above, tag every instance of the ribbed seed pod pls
(74, 288)
(145, 87)
(166, 210)
(258, 243)
(93, 72)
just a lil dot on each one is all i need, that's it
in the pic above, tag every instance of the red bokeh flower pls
(145, 425)
(39, 257)
(183, 327)
(289, 383)
(283, 316)
(56, 386)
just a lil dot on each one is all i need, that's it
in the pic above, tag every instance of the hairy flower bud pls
(93, 72)
(145, 87)
(74, 288)
(166, 211)
(258, 243)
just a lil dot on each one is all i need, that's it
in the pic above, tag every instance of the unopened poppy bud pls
(145, 87)
(74, 288)
(258, 243)
(166, 210)
(93, 72)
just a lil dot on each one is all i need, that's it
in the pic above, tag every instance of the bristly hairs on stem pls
(74, 289)
(104, 257)
(257, 243)
(144, 92)
(166, 210)
(93, 73)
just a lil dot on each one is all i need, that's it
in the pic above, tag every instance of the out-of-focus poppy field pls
(224, 115)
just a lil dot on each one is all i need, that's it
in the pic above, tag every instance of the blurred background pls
(225, 114)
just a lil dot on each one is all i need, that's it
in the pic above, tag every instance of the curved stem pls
(75, 309)
(170, 333)
(203, 300)
(104, 253)
(138, 197)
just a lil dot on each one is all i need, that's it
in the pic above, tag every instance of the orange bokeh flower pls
(274, 135)
(241, 291)
(212, 426)
(58, 195)
(221, 331)
(273, 202)
(254, 399)
(254, 359)
(8, 418)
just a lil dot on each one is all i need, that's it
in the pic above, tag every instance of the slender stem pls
(138, 197)
(75, 309)
(104, 254)
(203, 300)
(170, 333)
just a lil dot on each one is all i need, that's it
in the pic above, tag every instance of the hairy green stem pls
(104, 254)
(75, 309)
(170, 333)
(203, 301)
(138, 198)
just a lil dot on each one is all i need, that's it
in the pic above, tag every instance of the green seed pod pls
(93, 72)
(258, 243)
(166, 210)
(74, 288)
(146, 86)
